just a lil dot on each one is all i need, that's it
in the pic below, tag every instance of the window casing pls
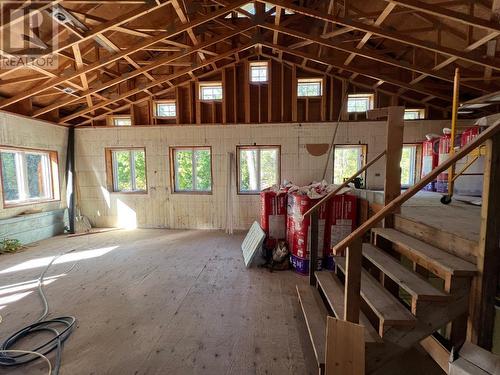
(414, 114)
(309, 87)
(258, 168)
(127, 170)
(121, 121)
(191, 170)
(211, 91)
(347, 160)
(409, 164)
(28, 176)
(357, 103)
(166, 109)
(259, 71)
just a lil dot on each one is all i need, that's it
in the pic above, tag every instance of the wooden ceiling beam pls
(110, 59)
(388, 34)
(137, 90)
(129, 75)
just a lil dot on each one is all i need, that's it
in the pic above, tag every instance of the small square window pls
(211, 91)
(122, 121)
(128, 170)
(357, 103)
(258, 71)
(309, 87)
(192, 169)
(414, 114)
(166, 109)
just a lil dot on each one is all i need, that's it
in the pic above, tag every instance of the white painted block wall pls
(160, 208)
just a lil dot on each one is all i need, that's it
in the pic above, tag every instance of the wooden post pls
(394, 148)
(352, 299)
(313, 254)
(488, 258)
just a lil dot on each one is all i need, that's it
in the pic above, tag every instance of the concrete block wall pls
(19, 131)
(161, 208)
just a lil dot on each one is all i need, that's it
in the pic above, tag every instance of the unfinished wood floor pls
(163, 302)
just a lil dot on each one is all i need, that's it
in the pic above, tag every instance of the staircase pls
(409, 290)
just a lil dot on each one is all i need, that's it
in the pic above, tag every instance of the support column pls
(70, 179)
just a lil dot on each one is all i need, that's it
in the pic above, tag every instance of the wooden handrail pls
(343, 185)
(397, 202)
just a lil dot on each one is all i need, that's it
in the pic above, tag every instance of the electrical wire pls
(52, 326)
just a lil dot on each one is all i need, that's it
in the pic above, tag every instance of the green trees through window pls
(408, 165)
(258, 168)
(192, 169)
(129, 170)
(348, 159)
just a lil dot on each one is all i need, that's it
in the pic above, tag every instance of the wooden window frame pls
(371, 101)
(258, 64)
(418, 163)
(110, 176)
(309, 80)
(173, 186)
(110, 120)
(166, 101)
(345, 145)
(421, 112)
(250, 147)
(208, 84)
(55, 185)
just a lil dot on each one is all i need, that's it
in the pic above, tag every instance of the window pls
(258, 71)
(167, 109)
(192, 169)
(409, 165)
(414, 114)
(128, 170)
(28, 176)
(347, 160)
(359, 103)
(211, 91)
(258, 168)
(309, 87)
(119, 121)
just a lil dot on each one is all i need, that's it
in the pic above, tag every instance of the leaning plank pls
(345, 348)
(315, 316)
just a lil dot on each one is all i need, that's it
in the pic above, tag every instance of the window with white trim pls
(27, 176)
(258, 71)
(122, 120)
(408, 165)
(414, 114)
(357, 103)
(166, 109)
(258, 168)
(128, 170)
(192, 169)
(309, 87)
(211, 91)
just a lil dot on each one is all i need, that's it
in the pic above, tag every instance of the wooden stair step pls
(333, 290)
(415, 285)
(390, 311)
(430, 257)
(315, 314)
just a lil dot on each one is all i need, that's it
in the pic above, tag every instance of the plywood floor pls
(161, 302)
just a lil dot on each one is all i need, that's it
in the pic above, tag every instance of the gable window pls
(192, 169)
(166, 109)
(409, 165)
(359, 102)
(126, 170)
(211, 91)
(121, 120)
(258, 71)
(258, 168)
(309, 87)
(347, 160)
(28, 176)
(414, 114)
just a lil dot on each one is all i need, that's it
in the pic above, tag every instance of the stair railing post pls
(352, 298)
(313, 254)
